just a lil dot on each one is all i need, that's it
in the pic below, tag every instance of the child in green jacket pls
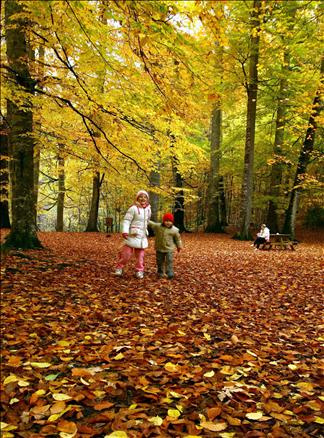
(167, 239)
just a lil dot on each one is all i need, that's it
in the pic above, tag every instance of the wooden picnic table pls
(280, 241)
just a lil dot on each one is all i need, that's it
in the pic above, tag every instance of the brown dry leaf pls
(214, 427)
(248, 357)
(281, 417)
(226, 358)
(81, 372)
(232, 420)
(86, 429)
(14, 361)
(255, 434)
(57, 407)
(33, 398)
(213, 412)
(67, 427)
(103, 405)
(49, 429)
(40, 409)
(271, 406)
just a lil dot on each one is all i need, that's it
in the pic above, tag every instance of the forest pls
(214, 108)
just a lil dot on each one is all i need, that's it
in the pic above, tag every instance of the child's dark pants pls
(258, 241)
(165, 259)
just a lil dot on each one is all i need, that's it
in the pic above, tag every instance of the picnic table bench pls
(280, 241)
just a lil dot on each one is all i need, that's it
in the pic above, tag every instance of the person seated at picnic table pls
(262, 236)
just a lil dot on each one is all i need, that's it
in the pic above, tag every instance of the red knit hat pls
(168, 217)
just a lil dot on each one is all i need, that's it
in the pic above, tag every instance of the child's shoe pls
(139, 274)
(119, 272)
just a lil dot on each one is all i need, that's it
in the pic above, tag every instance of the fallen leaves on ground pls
(229, 348)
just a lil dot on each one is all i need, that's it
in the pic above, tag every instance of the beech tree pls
(252, 92)
(287, 33)
(4, 178)
(61, 189)
(304, 158)
(276, 169)
(179, 208)
(215, 223)
(37, 126)
(155, 179)
(21, 142)
(93, 215)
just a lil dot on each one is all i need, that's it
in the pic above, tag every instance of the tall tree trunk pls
(36, 176)
(41, 58)
(214, 218)
(202, 204)
(304, 158)
(61, 190)
(252, 91)
(93, 215)
(178, 207)
(222, 202)
(4, 177)
(23, 231)
(155, 178)
(92, 225)
(276, 170)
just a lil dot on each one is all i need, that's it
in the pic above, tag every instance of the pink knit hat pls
(142, 192)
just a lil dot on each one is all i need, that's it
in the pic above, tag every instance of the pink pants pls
(126, 253)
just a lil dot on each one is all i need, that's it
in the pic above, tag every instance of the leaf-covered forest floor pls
(229, 348)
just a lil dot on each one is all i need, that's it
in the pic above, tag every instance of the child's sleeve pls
(177, 240)
(128, 220)
(153, 225)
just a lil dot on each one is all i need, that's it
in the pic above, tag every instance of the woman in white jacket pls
(262, 236)
(134, 232)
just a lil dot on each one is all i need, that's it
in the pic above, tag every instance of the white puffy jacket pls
(135, 225)
(265, 233)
